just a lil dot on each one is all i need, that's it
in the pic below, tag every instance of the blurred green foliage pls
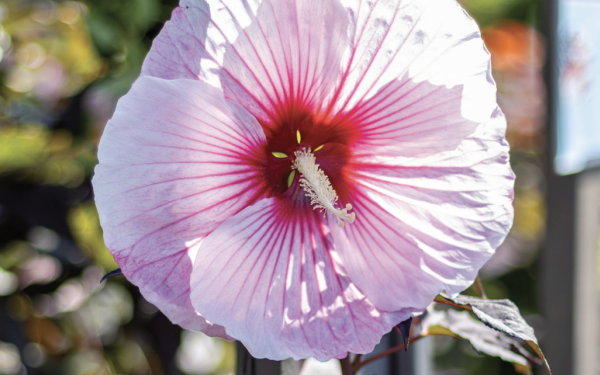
(491, 12)
(63, 66)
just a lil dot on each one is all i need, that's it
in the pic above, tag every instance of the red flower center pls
(329, 141)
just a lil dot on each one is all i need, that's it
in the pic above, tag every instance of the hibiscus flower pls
(302, 175)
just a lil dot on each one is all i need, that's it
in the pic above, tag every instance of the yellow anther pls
(279, 155)
(318, 148)
(291, 178)
(298, 136)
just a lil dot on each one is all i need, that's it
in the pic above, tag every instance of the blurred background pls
(63, 66)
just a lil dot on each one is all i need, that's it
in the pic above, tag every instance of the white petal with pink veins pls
(272, 276)
(290, 54)
(175, 161)
(266, 55)
(428, 224)
(398, 93)
(428, 39)
(182, 49)
(416, 71)
(412, 119)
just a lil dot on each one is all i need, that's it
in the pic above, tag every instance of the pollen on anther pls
(279, 155)
(318, 188)
(298, 136)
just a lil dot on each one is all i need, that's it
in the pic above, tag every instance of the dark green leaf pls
(502, 315)
(483, 339)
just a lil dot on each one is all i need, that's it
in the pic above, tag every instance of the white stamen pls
(318, 188)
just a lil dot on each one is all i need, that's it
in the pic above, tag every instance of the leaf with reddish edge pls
(502, 315)
(483, 339)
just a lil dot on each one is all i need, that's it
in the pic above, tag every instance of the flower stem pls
(346, 366)
(393, 350)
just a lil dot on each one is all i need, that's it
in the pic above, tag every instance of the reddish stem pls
(393, 350)
(346, 366)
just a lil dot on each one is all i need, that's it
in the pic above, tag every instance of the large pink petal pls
(269, 55)
(176, 160)
(272, 276)
(426, 225)
(288, 59)
(183, 49)
(417, 79)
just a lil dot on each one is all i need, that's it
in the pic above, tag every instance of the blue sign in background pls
(578, 133)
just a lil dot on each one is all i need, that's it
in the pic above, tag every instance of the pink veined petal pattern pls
(166, 179)
(266, 55)
(275, 280)
(194, 205)
(429, 224)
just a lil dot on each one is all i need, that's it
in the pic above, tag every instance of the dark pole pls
(569, 256)
(397, 364)
(248, 365)
(557, 260)
(557, 274)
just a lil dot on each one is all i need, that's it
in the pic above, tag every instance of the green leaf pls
(483, 339)
(502, 315)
